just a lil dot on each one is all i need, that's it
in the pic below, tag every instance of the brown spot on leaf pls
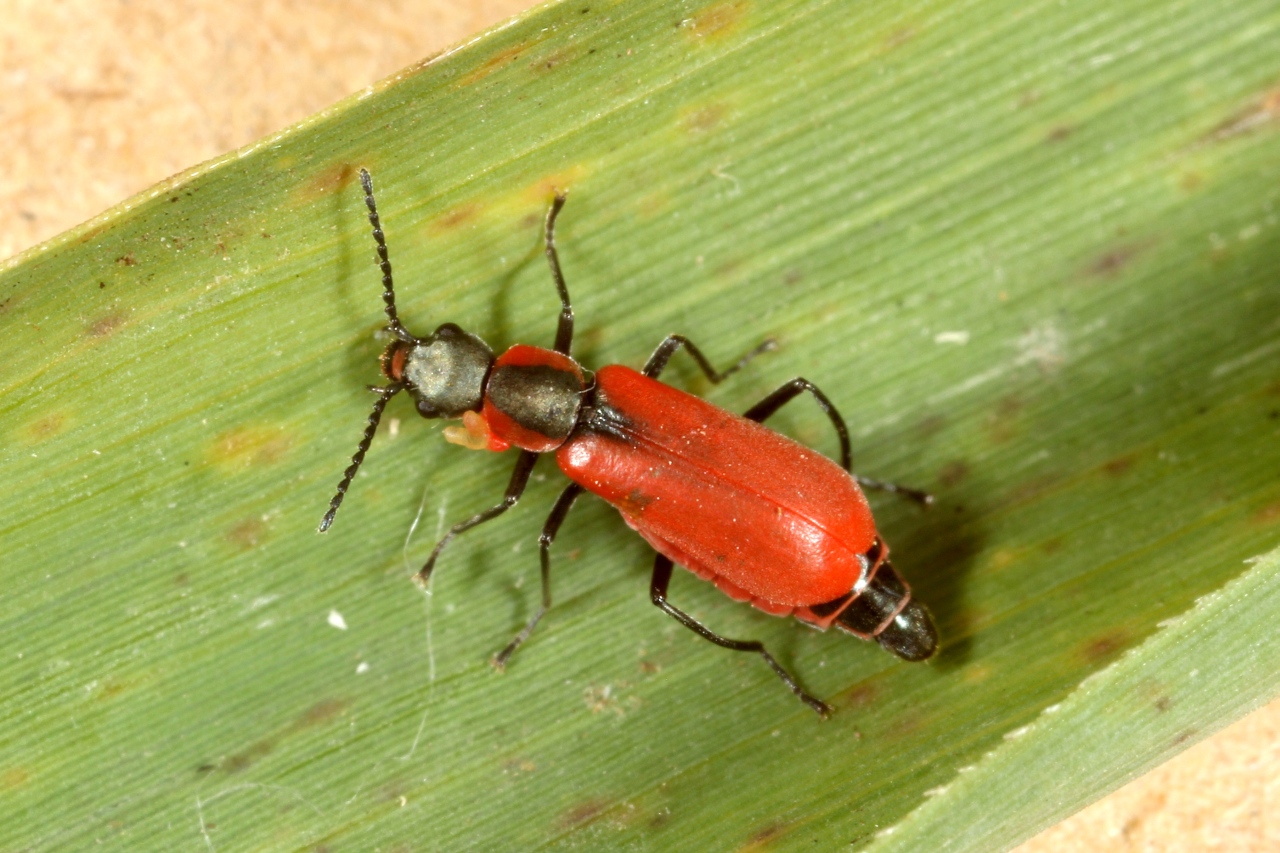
(245, 759)
(1119, 466)
(1184, 736)
(14, 777)
(1269, 514)
(48, 426)
(248, 534)
(106, 326)
(1059, 133)
(326, 182)
(247, 447)
(762, 838)
(716, 21)
(954, 473)
(549, 62)
(1191, 180)
(583, 813)
(931, 425)
(1113, 262)
(907, 724)
(704, 119)
(542, 190)
(127, 260)
(1054, 545)
(1106, 647)
(1255, 116)
(320, 713)
(862, 696)
(455, 217)
(898, 38)
(498, 61)
(1002, 423)
(1163, 703)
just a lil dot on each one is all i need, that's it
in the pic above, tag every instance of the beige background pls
(99, 99)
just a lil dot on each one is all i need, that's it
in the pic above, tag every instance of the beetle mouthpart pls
(910, 635)
(473, 434)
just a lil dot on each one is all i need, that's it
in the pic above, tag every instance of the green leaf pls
(1028, 249)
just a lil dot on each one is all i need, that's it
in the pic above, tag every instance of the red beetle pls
(764, 518)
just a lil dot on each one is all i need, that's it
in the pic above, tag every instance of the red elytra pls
(766, 519)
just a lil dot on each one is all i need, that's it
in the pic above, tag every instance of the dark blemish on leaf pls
(714, 22)
(1114, 262)
(1001, 423)
(1163, 703)
(321, 713)
(907, 724)
(14, 777)
(953, 473)
(1254, 117)
(248, 533)
(242, 761)
(1268, 515)
(518, 766)
(762, 838)
(173, 199)
(101, 285)
(1059, 133)
(127, 260)
(582, 813)
(862, 696)
(455, 217)
(1035, 487)
(250, 446)
(793, 276)
(326, 182)
(704, 119)
(1119, 466)
(549, 62)
(931, 425)
(1054, 545)
(898, 38)
(1106, 647)
(499, 60)
(318, 714)
(1184, 736)
(48, 426)
(106, 326)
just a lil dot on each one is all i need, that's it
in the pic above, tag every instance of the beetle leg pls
(788, 392)
(515, 488)
(564, 332)
(658, 594)
(658, 361)
(564, 503)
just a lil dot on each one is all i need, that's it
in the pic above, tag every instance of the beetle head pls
(445, 373)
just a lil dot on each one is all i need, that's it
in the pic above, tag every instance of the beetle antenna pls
(384, 394)
(388, 291)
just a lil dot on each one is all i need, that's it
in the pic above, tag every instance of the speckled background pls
(99, 99)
